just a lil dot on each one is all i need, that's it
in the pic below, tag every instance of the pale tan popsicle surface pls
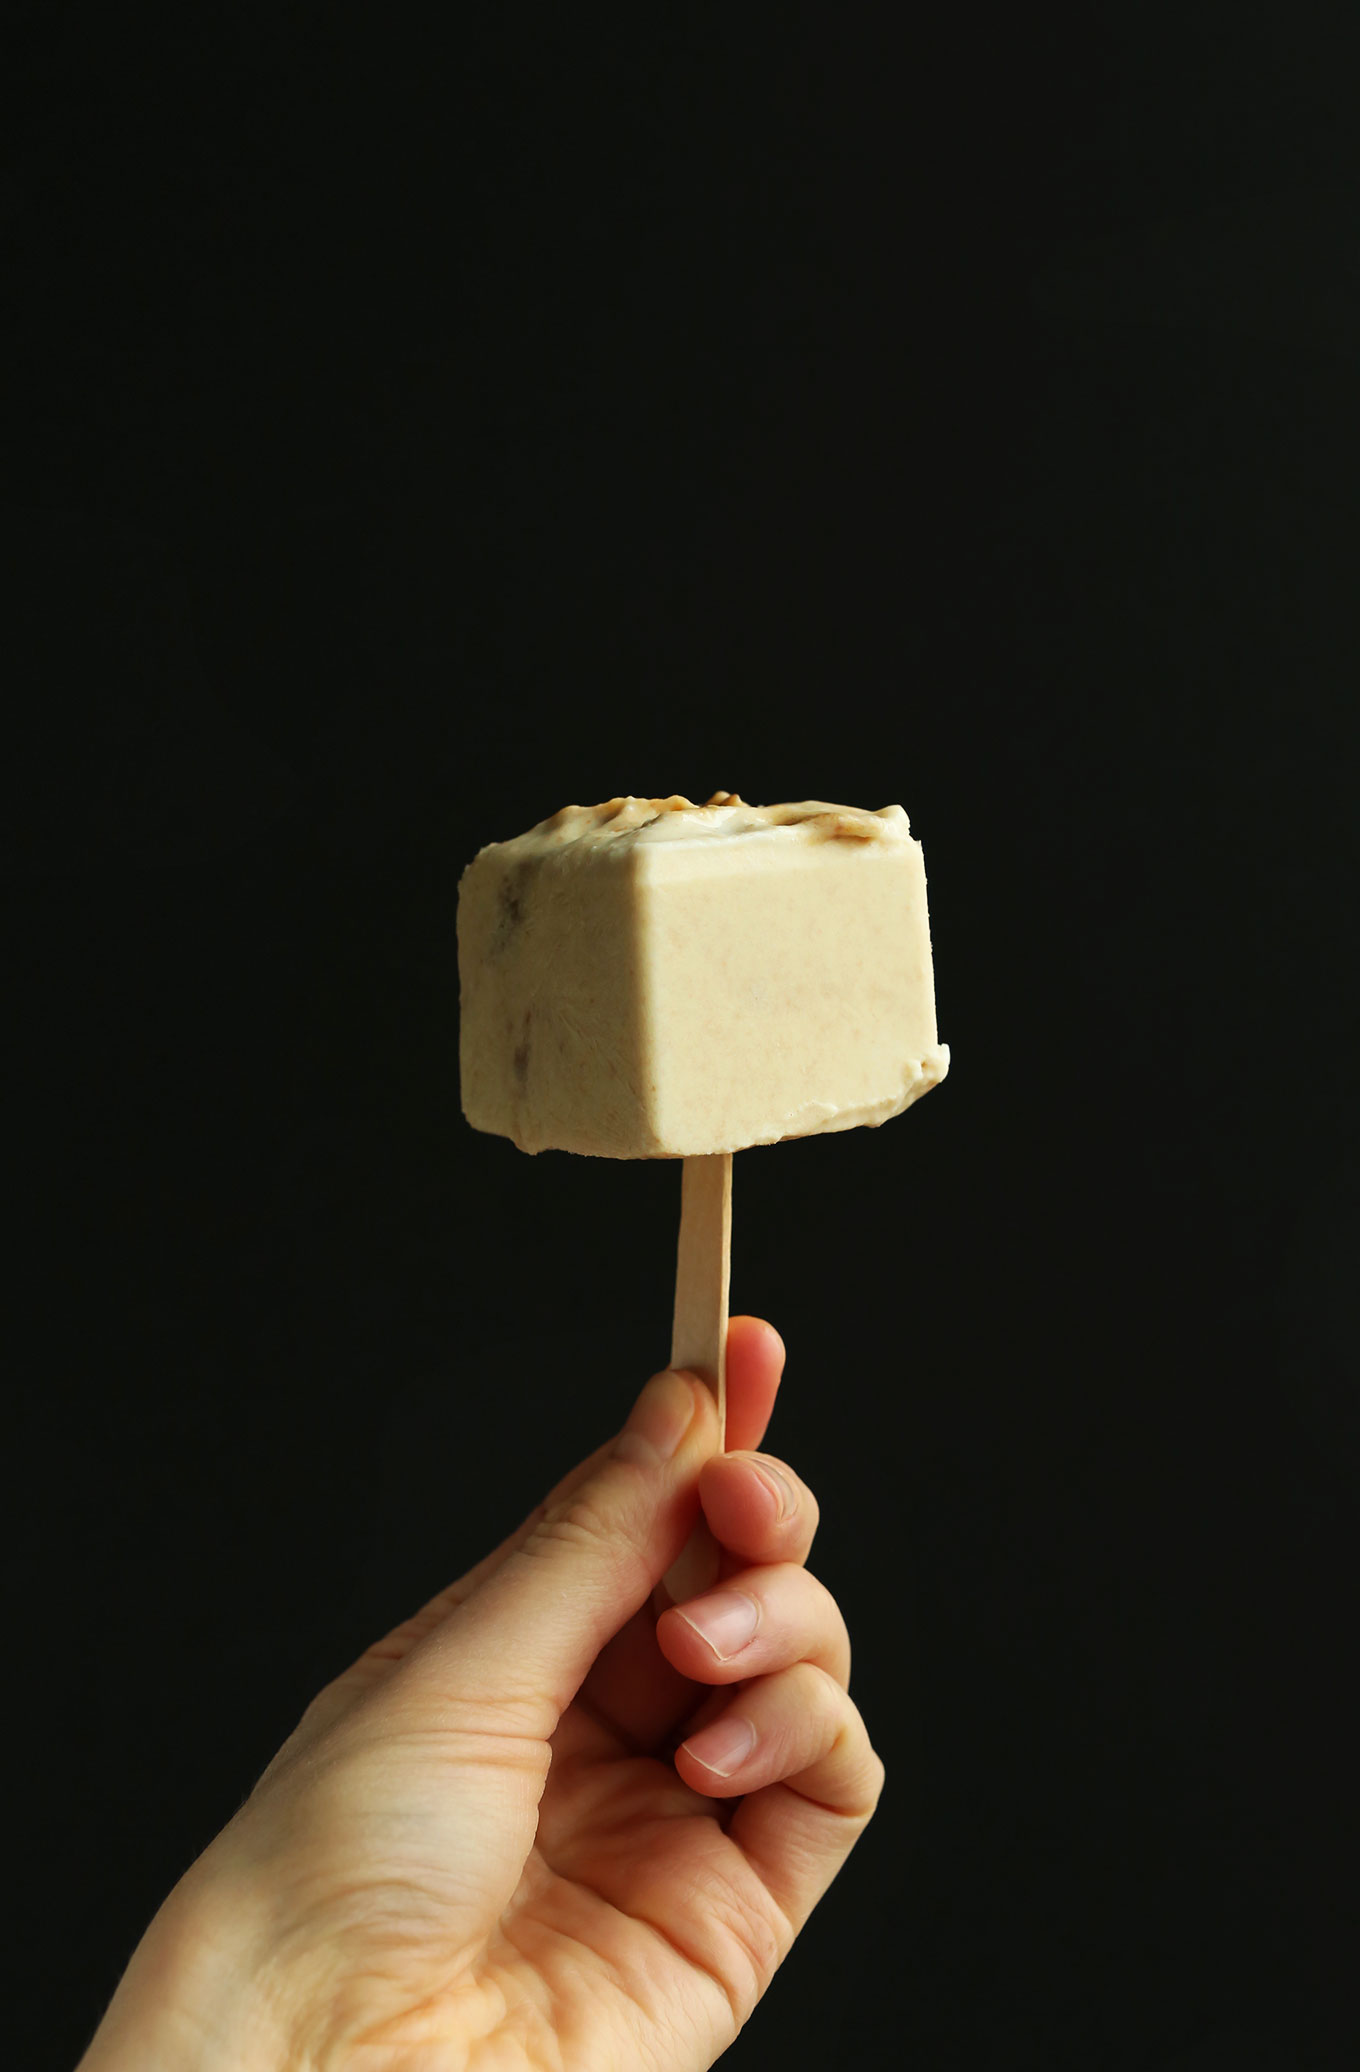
(653, 979)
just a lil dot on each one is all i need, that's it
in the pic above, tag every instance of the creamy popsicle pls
(654, 979)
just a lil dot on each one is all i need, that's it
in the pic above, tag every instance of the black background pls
(416, 424)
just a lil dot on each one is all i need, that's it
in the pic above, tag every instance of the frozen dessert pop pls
(654, 979)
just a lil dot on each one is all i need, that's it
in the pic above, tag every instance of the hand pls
(527, 1828)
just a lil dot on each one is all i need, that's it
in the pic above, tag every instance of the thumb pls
(523, 1642)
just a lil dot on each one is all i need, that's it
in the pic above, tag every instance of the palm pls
(579, 1942)
(600, 1948)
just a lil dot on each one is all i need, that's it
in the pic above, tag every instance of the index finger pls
(755, 1365)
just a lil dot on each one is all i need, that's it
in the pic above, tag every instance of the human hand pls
(499, 1839)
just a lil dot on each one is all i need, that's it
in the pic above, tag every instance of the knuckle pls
(863, 1766)
(600, 1521)
(823, 1623)
(751, 1944)
(579, 1520)
(796, 1502)
(824, 1699)
(869, 1778)
(832, 1744)
(827, 1605)
(738, 1937)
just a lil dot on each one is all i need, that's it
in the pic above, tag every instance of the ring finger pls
(759, 1620)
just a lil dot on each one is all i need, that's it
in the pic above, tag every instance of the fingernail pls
(724, 1746)
(780, 1488)
(659, 1421)
(727, 1620)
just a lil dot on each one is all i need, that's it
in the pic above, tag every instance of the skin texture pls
(485, 1845)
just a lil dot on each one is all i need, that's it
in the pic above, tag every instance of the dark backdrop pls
(417, 426)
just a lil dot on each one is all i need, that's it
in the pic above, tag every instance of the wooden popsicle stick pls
(699, 1330)
(703, 1264)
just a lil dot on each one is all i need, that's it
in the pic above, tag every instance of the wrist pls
(190, 2000)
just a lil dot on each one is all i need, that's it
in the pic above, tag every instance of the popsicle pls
(649, 978)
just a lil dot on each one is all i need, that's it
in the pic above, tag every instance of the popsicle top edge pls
(627, 821)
